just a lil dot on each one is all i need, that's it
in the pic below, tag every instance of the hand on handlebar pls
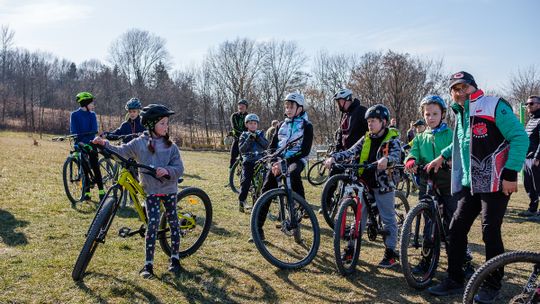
(329, 162)
(276, 169)
(436, 164)
(99, 141)
(161, 172)
(382, 163)
(410, 166)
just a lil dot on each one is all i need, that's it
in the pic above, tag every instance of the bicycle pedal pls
(124, 232)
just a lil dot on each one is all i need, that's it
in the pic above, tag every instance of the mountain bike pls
(235, 174)
(77, 164)
(520, 280)
(289, 237)
(194, 213)
(257, 180)
(334, 191)
(348, 222)
(318, 174)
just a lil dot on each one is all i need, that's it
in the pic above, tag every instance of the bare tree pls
(136, 52)
(6, 42)
(523, 84)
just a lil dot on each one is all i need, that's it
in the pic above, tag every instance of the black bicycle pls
(289, 237)
(77, 164)
(520, 282)
(235, 175)
(318, 173)
(348, 229)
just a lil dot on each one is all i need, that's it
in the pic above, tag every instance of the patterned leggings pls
(152, 212)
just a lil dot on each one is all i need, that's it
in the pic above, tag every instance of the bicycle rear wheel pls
(318, 173)
(520, 281)
(420, 246)
(347, 238)
(401, 204)
(235, 174)
(331, 196)
(282, 245)
(195, 215)
(95, 236)
(404, 183)
(73, 180)
(107, 172)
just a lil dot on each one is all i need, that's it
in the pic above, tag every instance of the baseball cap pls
(462, 77)
(419, 122)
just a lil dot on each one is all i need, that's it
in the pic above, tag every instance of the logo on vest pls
(479, 130)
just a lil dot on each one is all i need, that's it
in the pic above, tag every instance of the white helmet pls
(251, 117)
(343, 93)
(296, 97)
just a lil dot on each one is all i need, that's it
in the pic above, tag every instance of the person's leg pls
(387, 211)
(529, 184)
(248, 169)
(295, 170)
(234, 152)
(169, 202)
(93, 157)
(533, 206)
(152, 213)
(270, 183)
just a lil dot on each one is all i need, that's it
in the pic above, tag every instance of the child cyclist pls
(83, 124)
(381, 145)
(154, 148)
(296, 127)
(252, 143)
(425, 147)
(132, 125)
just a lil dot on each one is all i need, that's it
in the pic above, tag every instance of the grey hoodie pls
(165, 157)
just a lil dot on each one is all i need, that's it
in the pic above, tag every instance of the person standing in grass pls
(532, 163)
(154, 148)
(487, 151)
(83, 123)
(238, 126)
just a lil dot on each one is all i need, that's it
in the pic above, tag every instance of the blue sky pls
(490, 39)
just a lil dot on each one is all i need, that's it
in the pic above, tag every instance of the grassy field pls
(41, 235)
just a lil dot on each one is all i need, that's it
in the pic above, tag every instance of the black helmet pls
(244, 102)
(378, 111)
(152, 113)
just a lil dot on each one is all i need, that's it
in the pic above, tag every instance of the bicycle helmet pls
(244, 102)
(133, 104)
(251, 117)
(433, 99)
(296, 97)
(343, 94)
(378, 111)
(84, 98)
(152, 113)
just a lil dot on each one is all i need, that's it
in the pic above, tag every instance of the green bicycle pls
(194, 213)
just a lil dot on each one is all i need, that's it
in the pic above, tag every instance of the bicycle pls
(194, 213)
(424, 231)
(522, 269)
(318, 174)
(259, 173)
(76, 165)
(347, 235)
(289, 237)
(235, 174)
(334, 190)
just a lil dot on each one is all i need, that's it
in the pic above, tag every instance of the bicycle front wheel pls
(235, 174)
(281, 242)
(520, 280)
(420, 246)
(73, 180)
(96, 235)
(347, 237)
(107, 172)
(404, 183)
(195, 217)
(318, 173)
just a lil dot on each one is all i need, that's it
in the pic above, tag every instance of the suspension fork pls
(358, 216)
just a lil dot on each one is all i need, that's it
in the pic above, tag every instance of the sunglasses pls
(530, 103)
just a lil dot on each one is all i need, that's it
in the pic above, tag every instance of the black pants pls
(531, 182)
(492, 207)
(235, 151)
(94, 166)
(248, 169)
(270, 182)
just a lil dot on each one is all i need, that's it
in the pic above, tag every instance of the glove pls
(410, 163)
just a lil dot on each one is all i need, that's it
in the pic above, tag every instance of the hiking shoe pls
(390, 259)
(447, 287)
(486, 295)
(527, 213)
(174, 267)
(241, 206)
(87, 196)
(147, 272)
(468, 270)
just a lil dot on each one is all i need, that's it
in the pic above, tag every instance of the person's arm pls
(536, 133)
(243, 142)
(175, 167)
(129, 150)
(350, 153)
(94, 123)
(512, 130)
(73, 125)
(261, 140)
(414, 152)
(307, 141)
(358, 127)
(394, 152)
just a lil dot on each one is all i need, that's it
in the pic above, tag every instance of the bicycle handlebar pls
(71, 136)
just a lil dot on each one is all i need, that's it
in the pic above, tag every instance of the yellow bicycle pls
(194, 212)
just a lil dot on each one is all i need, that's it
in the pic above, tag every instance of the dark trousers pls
(531, 183)
(248, 169)
(492, 207)
(94, 166)
(235, 151)
(270, 182)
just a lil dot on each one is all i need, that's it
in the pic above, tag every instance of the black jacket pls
(533, 130)
(353, 126)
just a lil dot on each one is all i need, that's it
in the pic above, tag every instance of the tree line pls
(37, 89)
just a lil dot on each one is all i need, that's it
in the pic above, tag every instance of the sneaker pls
(390, 259)
(468, 270)
(241, 206)
(101, 194)
(174, 267)
(486, 295)
(527, 213)
(447, 287)
(87, 196)
(421, 268)
(147, 272)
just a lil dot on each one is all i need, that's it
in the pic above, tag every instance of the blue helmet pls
(133, 104)
(433, 99)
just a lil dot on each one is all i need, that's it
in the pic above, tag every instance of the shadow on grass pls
(8, 224)
(85, 207)
(216, 285)
(129, 291)
(215, 229)
(193, 176)
(127, 212)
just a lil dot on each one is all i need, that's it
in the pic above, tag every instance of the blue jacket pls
(84, 123)
(252, 147)
(128, 127)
